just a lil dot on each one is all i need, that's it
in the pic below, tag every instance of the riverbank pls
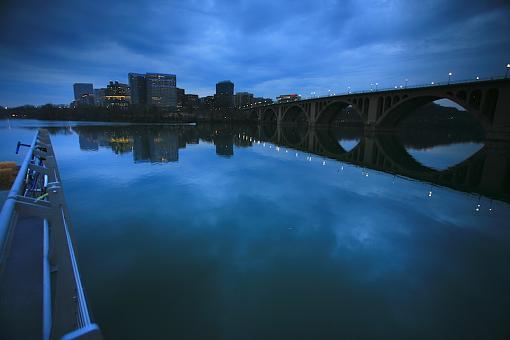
(8, 172)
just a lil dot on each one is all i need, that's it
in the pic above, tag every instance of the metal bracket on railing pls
(20, 145)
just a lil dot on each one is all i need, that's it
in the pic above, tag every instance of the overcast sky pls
(267, 47)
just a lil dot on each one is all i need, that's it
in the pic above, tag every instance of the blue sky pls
(265, 47)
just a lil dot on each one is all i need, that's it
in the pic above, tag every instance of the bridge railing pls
(37, 192)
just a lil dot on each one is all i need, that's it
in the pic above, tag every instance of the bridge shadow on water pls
(486, 171)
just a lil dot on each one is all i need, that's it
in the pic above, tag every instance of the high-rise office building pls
(138, 85)
(242, 99)
(224, 97)
(81, 89)
(117, 95)
(99, 95)
(191, 101)
(161, 90)
(180, 93)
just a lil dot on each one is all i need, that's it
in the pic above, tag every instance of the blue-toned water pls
(218, 232)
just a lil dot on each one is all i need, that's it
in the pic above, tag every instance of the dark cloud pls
(268, 47)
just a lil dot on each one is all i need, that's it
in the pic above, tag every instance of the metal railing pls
(37, 192)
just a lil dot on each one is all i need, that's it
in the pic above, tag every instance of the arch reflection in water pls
(442, 157)
(485, 170)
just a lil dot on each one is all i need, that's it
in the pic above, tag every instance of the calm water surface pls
(259, 233)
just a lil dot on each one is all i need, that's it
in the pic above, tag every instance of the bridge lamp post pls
(376, 86)
(329, 93)
(348, 90)
(507, 68)
(477, 78)
(407, 80)
(449, 77)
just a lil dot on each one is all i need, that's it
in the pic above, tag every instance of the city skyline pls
(266, 48)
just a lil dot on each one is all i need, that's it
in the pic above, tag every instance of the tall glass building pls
(161, 90)
(138, 86)
(81, 89)
(224, 97)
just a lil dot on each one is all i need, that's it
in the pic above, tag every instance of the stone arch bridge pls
(488, 101)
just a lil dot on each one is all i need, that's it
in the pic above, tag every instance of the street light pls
(348, 89)
(329, 93)
(406, 82)
(449, 77)
(376, 86)
(507, 68)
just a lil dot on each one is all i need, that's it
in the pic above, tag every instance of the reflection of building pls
(285, 98)
(138, 86)
(88, 142)
(243, 99)
(117, 95)
(121, 144)
(161, 90)
(162, 147)
(81, 89)
(224, 97)
(224, 142)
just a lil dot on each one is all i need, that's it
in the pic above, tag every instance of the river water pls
(254, 232)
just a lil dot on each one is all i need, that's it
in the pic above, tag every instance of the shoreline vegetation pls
(428, 116)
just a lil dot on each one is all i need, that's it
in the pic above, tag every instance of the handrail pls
(83, 312)
(37, 191)
(8, 210)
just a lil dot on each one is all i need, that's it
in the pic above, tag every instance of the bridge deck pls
(21, 286)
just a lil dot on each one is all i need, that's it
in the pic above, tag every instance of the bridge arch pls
(327, 115)
(295, 114)
(269, 116)
(480, 105)
(253, 116)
